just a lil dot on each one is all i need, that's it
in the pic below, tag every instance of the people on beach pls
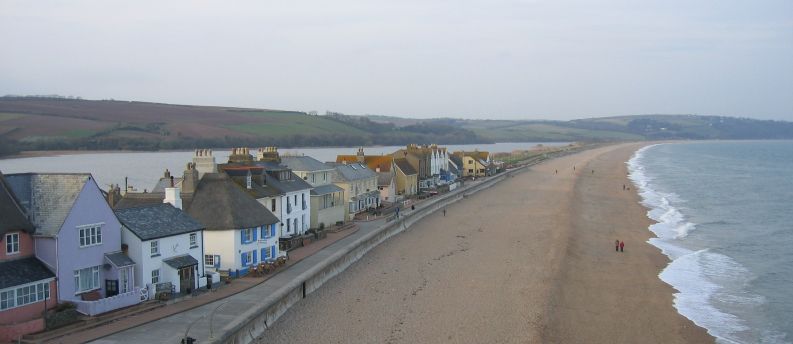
(555, 171)
(444, 212)
(593, 171)
(616, 245)
(412, 207)
(622, 246)
(623, 187)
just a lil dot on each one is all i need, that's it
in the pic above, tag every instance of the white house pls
(327, 200)
(167, 243)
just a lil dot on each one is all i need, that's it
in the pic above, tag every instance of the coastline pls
(493, 272)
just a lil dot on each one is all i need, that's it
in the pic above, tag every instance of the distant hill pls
(49, 123)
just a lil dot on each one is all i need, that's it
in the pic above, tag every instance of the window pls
(193, 240)
(12, 243)
(155, 276)
(247, 235)
(272, 204)
(209, 259)
(91, 235)
(24, 295)
(86, 279)
(155, 248)
(247, 258)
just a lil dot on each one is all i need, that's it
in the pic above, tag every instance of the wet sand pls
(529, 260)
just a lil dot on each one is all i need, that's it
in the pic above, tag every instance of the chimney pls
(190, 180)
(204, 162)
(173, 196)
(113, 195)
(360, 155)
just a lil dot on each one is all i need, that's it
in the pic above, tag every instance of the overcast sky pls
(550, 59)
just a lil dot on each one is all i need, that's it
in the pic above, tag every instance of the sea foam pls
(700, 276)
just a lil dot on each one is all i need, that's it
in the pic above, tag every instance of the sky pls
(494, 59)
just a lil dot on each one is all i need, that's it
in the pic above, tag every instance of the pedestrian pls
(593, 171)
(412, 207)
(444, 212)
(616, 245)
(397, 212)
(573, 167)
(623, 187)
(622, 246)
(555, 171)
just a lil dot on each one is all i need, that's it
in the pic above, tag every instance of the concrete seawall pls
(254, 321)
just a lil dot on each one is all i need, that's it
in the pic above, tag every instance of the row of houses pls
(66, 240)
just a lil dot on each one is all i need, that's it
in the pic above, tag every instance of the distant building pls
(327, 199)
(474, 164)
(360, 187)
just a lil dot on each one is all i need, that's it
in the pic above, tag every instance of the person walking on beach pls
(444, 212)
(622, 246)
(616, 245)
(623, 187)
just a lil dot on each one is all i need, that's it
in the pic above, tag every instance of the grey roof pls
(23, 271)
(384, 178)
(356, 171)
(13, 215)
(119, 259)
(405, 166)
(166, 183)
(304, 163)
(182, 261)
(294, 183)
(47, 197)
(138, 199)
(325, 189)
(456, 160)
(453, 169)
(155, 221)
(264, 183)
(221, 204)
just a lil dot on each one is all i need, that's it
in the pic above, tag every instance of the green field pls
(284, 123)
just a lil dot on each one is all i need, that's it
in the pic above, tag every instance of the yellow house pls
(474, 164)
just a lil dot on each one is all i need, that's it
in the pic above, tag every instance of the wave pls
(704, 279)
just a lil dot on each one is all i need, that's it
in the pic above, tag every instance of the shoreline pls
(493, 272)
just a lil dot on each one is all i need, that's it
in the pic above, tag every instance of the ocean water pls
(725, 218)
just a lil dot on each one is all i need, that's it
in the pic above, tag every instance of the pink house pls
(27, 286)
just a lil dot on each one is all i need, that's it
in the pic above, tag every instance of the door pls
(186, 279)
(111, 288)
(124, 280)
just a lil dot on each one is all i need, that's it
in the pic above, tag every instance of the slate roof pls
(23, 271)
(119, 259)
(304, 163)
(372, 161)
(182, 261)
(325, 189)
(220, 204)
(156, 221)
(47, 197)
(12, 213)
(405, 166)
(166, 183)
(384, 178)
(350, 172)
(294, 183)
(456, 160)
(139, 199)
(265, 172)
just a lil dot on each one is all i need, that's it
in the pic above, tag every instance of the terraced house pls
(27, 286)
(360, 187)
(78, 238)
(327, 199)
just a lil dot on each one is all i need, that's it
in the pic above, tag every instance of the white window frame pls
(81, 274)
(90, 235)
(13, 297)
(249, 258)
(155, 276)
(12, 243)
(247, 235)
(154, 246)
(193, 240)
(209, 259)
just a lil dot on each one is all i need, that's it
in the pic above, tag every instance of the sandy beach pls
(530, 260)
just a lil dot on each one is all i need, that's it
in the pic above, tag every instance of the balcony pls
(109, 303)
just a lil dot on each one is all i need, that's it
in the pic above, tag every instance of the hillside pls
(47, 123)
(41, 123)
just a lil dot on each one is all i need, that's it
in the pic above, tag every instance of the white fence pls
(109, 303)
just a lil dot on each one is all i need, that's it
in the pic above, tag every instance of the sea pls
(142, 170)
(724, 213)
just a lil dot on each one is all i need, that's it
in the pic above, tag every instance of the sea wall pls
(253, 322)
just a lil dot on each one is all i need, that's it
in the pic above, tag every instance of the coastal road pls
(503, 267)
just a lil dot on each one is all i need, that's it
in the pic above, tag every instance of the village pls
(73, 251)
